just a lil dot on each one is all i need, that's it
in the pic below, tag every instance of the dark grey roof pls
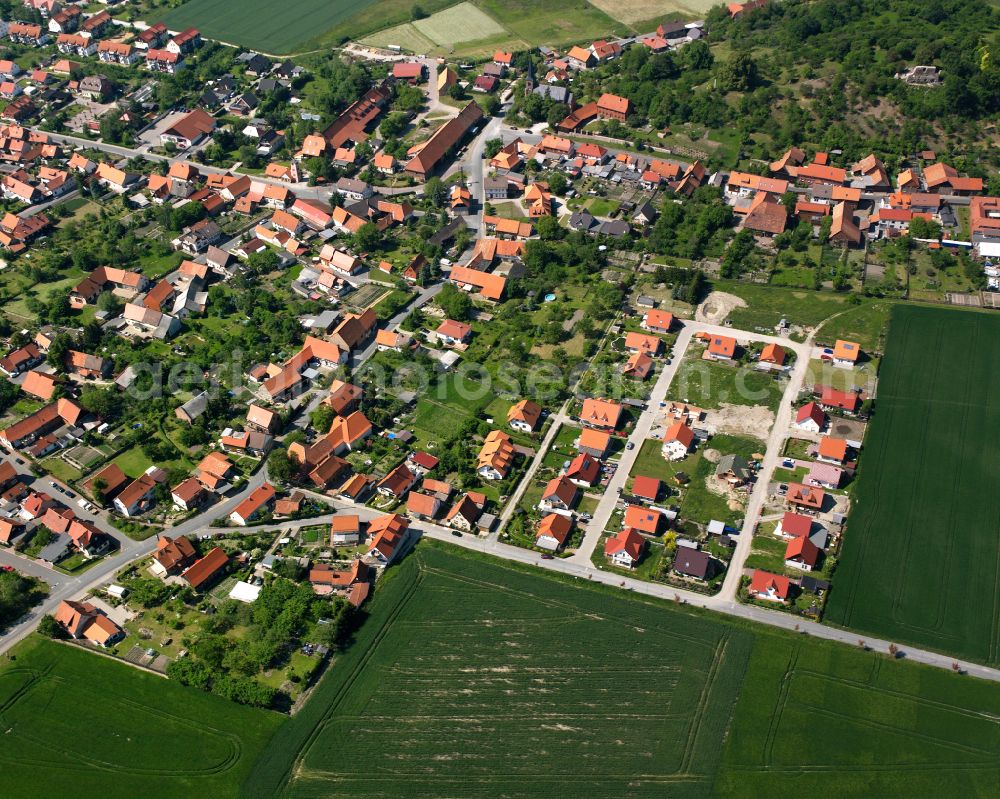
(615, 228)
(693, 563)
(581, 220)
(558, 94)
(736, 464)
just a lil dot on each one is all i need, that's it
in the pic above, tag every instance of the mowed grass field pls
(81, 725)
(921, 556)
(639, 12)
(473, 678)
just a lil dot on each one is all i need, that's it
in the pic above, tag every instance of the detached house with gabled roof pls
(256, 504)
(810, 417)
(389, 536)
(625, 549)
(202, 573)
(846, 354)
(601, 414)
(677, 441)
(496, 457)
(560, 495)
(772, 587)
(136, 497)
(172, 556)
(397, 482)
(553, 532)
(464, 513)
(524, 416)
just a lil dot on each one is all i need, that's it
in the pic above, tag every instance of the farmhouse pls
(442, 141)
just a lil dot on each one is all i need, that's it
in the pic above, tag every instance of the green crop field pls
(921, 557)
(490, 681)
(823, 719)
(476, 679)
(294, 26)
(77, 724)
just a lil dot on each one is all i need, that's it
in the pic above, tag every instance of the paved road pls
(474, 170)
(558, 419)
(302, 190)
(609, 501)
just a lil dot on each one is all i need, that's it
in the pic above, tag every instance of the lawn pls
(767, 305)
(133, 462)
(83, 725)
(920, 555)
(491, 680)
(865, 324)
(711, 385)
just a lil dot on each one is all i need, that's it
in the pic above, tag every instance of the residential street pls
(558, 419)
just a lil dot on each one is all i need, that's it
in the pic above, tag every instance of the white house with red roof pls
(810, 417)
(677, 441)
(772, 587)
(625, 549)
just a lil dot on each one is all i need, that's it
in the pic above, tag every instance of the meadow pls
(82, 725)
(921, 557)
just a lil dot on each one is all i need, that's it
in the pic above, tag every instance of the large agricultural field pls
(474, 678)
(921, 558)
(492, 681)
(479, 28)
(78, 724)
(470, 28)
(295, 26)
